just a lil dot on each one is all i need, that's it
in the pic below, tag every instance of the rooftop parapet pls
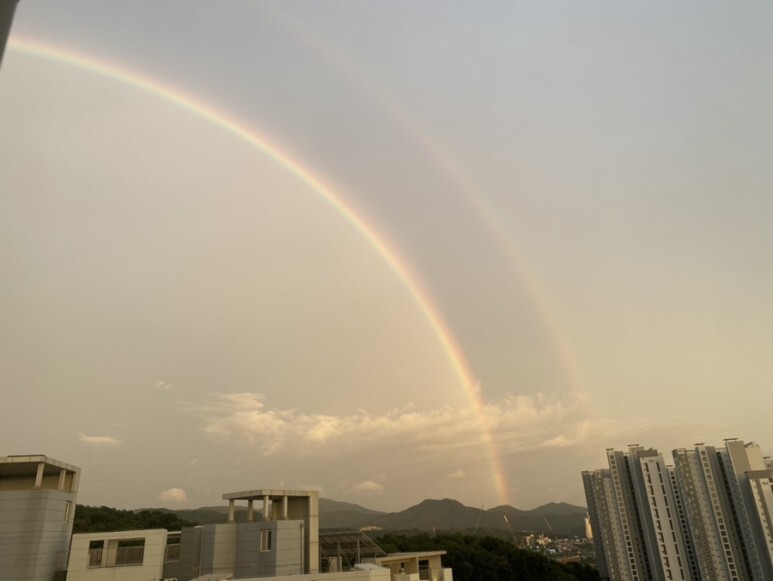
(37, 471)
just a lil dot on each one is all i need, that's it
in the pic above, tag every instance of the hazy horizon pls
(389, 251)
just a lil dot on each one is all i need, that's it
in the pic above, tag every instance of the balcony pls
(121, 557)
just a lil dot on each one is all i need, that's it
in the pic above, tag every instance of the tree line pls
(103, 519)
(475, 558)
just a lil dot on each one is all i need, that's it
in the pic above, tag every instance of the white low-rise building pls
(120, 556)
(280, 542)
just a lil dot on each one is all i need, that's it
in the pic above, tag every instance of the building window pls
(96, 549)
(265, 540)
(67, 508)
(130, 552)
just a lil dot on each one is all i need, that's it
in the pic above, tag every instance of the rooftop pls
(271, 493)
(18, 465)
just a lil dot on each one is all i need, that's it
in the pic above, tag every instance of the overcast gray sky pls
(504, 237)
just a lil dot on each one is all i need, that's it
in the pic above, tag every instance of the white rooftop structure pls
(37, 506)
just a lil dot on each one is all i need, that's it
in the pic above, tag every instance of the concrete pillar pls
(285, 503)
(266, 515)
(231, 512)
(39, 475)
(62, 479)
(76, 479)
(249, 510)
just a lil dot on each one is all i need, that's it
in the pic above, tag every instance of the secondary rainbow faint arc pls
(452, 171)
(368, 231)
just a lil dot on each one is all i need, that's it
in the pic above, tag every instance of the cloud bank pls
(514, 423)
(510, 424)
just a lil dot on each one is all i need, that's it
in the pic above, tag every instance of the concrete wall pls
(34, 533)
(308, 509)
(251, 561)
(219, 548)
(235, 548)
(190, 545)
(206, 550)
(289, 548)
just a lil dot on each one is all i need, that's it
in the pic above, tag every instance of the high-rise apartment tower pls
(706, 517)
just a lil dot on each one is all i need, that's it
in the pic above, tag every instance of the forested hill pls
(429, 515)
(451, 515)
(100, 519)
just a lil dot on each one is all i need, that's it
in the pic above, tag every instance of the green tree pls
(100, 519)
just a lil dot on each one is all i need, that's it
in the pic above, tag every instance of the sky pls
(386, 250)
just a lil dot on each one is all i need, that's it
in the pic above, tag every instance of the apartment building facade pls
(707, 516)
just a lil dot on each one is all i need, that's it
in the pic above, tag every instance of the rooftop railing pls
(124, 556)
(129, 556)
(95, 557)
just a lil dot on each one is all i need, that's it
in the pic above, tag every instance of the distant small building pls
(37, 506)
(416, 565)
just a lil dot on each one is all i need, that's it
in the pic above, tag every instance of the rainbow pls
(451, 170)
(366, 229)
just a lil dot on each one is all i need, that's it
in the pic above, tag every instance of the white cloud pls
(406, 437)
(457, 475)
(514, 422)
(174, 495)
(163, 385)
(99, 441)
(368, 487)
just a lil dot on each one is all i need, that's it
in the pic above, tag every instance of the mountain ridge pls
(428, 515)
